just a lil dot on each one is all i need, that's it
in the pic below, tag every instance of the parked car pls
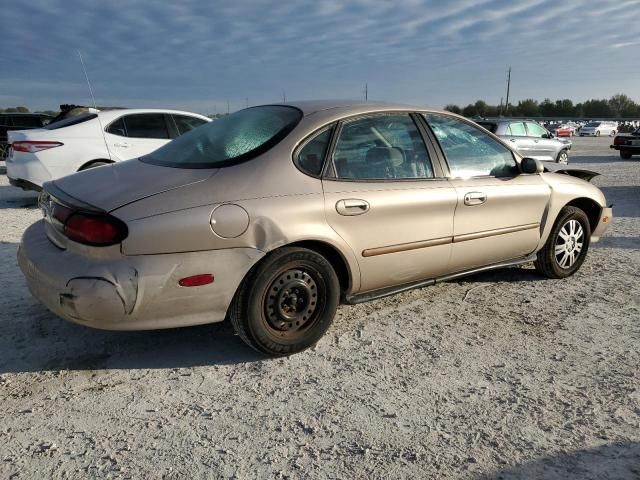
(530, 139)
(628, 144)
(91, 139)
(18, 121)
(274, 214)
(564, 130)
(595, 129)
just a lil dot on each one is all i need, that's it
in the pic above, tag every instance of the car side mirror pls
(531, 165)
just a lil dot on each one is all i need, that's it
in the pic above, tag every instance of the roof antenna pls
(88, 82)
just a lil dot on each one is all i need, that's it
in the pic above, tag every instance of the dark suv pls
(19, 121)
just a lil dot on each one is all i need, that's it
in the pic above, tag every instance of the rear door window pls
(381, 147)
(517, 129)
(146, 125)
(185, 123)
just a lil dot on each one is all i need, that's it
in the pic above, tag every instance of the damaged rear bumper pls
(131, 292)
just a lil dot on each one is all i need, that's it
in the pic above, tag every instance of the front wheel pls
(567, 245)
(598, 133)
(287, 302)
(563, 157)
(625, 155)
(613, 133)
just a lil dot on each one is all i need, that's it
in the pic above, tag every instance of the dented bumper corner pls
(130, 292)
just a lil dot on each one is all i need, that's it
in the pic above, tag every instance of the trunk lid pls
(112, 186)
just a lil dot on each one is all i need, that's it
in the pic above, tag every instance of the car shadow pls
(508, 274)
(13, 197)
(618, 461)
(33, 339)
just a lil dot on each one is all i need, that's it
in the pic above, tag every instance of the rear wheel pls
(613, 133)
(625, 155)
(563, 157)
(287, 302)
(597, 133)
(567, 245)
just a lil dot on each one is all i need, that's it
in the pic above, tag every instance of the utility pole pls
(366, 92)
(227, 107)
(501, 100)
(284, 97)
(246, 102)
(508, 87)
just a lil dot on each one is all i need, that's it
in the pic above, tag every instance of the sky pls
(200, 54)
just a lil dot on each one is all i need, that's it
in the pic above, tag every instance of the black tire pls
(287, 302)
(597, 133)
(548, 263)
(94, 165)
(563, 157)
(612, 133)
(625, 155)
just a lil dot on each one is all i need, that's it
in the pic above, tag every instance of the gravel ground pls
(500, 375)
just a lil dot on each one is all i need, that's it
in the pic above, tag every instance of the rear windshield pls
(492, 127)
(67, 122)
(235, 138)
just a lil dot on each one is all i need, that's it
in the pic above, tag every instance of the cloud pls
(195, 51)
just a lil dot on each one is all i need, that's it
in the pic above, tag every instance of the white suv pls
(595, 129)
(89, 140)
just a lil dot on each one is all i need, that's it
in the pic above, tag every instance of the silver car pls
(530, 139)
(595, 129)
(275, 214)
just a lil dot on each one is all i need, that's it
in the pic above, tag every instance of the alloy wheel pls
(569, 244)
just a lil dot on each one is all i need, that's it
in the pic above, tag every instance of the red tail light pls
(33, 146)
(96, 230)
(619, 141)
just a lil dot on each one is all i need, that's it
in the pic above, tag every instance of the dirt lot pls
(501, 375)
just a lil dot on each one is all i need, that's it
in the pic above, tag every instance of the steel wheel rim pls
(569, 244)
(293, 301)
(564, 157)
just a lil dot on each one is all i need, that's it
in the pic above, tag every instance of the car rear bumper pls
(606, 217)
(24, 185)
(131, 292)
(27, 171)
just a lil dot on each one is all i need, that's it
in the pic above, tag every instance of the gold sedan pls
(273, 215)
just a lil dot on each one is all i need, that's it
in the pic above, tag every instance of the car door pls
(500, 211)
(136, 134)
(388, 199)
(543, 148)
(516, 136)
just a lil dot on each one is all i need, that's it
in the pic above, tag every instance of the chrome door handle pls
(121, 145)
(512, 139)
(475, 198)
(352, 206)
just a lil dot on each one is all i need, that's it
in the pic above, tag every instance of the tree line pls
(25, 110)
(618, 106)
